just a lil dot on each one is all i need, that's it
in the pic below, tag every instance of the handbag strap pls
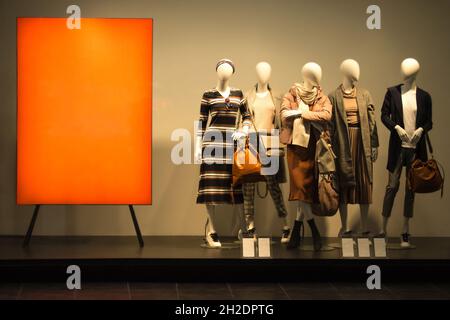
(259, 193)
(441, 167)
(428, 142)
(443, 177)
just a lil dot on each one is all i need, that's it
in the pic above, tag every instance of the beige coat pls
(319, 112)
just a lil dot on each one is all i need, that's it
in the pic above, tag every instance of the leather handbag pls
(328, 197)
(325, 157)
(246, 165)
(426, 176)
(326, 203)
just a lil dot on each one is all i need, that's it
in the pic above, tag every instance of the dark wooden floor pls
(216, 291)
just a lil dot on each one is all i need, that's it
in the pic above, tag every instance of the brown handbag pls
(246, 165)
(328, 198)
(326, 202)
(428, 176)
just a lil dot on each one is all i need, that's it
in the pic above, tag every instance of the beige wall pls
(189, 37)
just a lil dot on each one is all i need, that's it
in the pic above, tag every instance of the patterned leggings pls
(275, 191)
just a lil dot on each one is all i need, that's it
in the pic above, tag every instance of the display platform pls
(183, 259)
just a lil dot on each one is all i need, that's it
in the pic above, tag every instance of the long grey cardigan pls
(339, 133)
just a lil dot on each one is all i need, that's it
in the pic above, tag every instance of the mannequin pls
(216, 169)
(408, 127)
(264, 106)
(354, 137)
(305, 112)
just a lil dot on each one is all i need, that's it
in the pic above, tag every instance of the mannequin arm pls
(324, 114)
(288, 101)
(428, 123)
(386, 112)
(372, 122)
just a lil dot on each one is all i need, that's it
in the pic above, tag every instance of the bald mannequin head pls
(410, 67)
(350, 70)
(312, 74)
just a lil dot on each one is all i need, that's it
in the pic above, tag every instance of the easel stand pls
(27, 239)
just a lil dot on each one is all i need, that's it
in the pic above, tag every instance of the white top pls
(264, 111)
(301, 128)
(409, 102)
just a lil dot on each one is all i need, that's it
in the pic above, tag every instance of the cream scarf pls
(301, 128)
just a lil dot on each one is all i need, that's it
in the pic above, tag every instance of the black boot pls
(317, 240)
(296, 238)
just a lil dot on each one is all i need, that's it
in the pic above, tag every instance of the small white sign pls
(380, 247)
(248, 247)
(348, 250)
(264, 248)
(364, 248)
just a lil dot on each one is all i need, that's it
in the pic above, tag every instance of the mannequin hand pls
(238, 135)
(416, 136)
(402, 133)
(292, 113)
(374, 154)
(198, 150)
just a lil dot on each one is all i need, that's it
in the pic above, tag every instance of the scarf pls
(307, 96)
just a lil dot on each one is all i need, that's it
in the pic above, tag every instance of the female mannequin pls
(406, 112)
(264, 106)
(305, 113)
(355, 143)
(215, 147)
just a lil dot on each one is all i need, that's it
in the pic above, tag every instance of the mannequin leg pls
(211, 213)
(385, 226)
(406, 224)
(211, 237)
(296, 237)
(391, 191)
(241, 217)
(343, 212)
(300, 214)
(248, 190)
(308, 215)
(306, 210)
(285, 223)
(277, 196)
(364, 210)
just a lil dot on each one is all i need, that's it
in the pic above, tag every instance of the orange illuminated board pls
(84, 101)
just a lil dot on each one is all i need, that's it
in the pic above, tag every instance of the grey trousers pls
(275, 191)
(405, 158)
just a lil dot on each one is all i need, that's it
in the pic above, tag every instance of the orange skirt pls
(301, 165)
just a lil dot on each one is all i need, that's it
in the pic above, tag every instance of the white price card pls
(380, 247)
(264, 248)
(364, 248)
(348, 250)
(248, 247)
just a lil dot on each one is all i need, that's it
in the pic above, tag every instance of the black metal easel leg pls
(31, 226)
(136, 226)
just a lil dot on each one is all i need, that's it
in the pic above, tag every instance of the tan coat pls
(319, 112)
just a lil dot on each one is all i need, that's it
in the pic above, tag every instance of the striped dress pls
(215, 186)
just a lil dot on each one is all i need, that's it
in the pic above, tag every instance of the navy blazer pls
(392, 115)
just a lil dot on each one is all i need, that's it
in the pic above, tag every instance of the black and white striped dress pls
(215, 186)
